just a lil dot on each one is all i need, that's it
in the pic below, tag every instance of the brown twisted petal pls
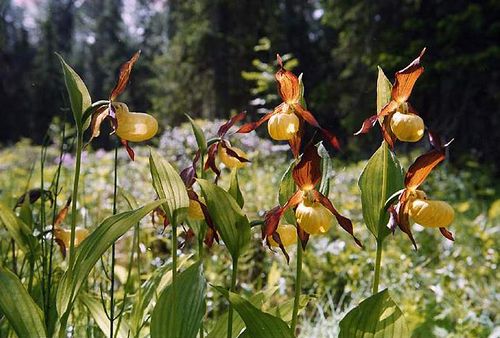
(406, 78)
(96, 120)
(403, 219)
(288, 86)
(210, 163)
(307, 173)
(129, 149)
(421, 168)
(309, 118)
(370, 122)
(273, 216)
(226, 126)
(303, 236)
(123, 78)
(343, 221)
(447, 234)
(230, 152)
(296, 141)
(188, 175)
(61, 216)
(251, 126)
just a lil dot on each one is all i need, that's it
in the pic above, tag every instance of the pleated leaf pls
(258, 324)
(198, 134)
(381, 177)
(384, 88)
(169, 186)
(375, 317)
(234, 188)
(181, 307)
(17, 229)
(231, 223)
(23, 314)
(91, 250)
(78, 93)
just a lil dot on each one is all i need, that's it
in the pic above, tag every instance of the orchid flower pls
(128, 126)
(287, 119)
(398, 119)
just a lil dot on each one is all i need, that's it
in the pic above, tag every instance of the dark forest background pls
(210, 58)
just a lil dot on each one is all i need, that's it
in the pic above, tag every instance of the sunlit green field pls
(445, 289)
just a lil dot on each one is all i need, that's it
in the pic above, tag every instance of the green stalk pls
(233, 287)
(54, 215)
(74, 199)
(200, 240)
(200, 259)
(174, 253)
(113, 252)
(378, 262)
(298, 287)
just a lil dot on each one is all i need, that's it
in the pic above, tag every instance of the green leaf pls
(286, 190)
(23, 314)
(384, 88)
(169, 186)
(375, 317)
(91, 250)
(220, 327)
(181, 307)
(231, 222)
(97, 312)
(326, 169)
(259, 324)
(381, 177)
(198, 134)
(18, 230)
(78, 93)
(145, 295)
(234, 188)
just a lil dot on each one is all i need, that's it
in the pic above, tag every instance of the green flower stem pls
(298, 286)
(174, 253)
(233, 287)
(54, 215)
(113, 253)
(378, 261)
(74, 199)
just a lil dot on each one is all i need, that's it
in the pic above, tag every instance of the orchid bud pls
(134, 127)
(194, 211)
(283, 126)
(429, 213)
(313, 217)
(288, 235)
(230, 161)
(407, 127)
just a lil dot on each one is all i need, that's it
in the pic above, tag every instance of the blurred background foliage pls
(210, 58)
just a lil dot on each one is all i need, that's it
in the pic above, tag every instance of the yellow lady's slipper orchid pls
(313, 217)
(230, 161)
(194, 211)
(64, 235)
(288, 235)
(283, 126)
(407, 127)
(429, 213)
(134, 127)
